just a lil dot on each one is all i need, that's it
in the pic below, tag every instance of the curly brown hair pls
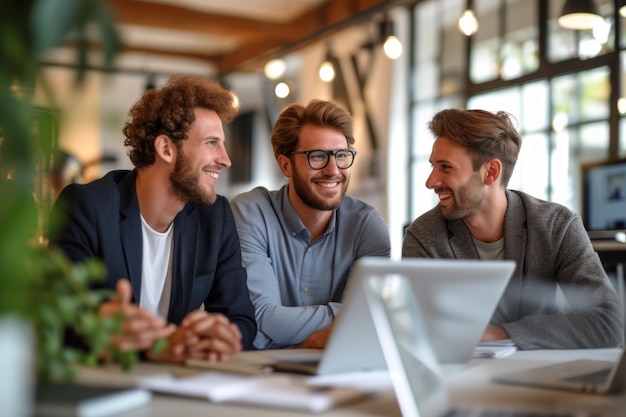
(286, 133)
(169, 111)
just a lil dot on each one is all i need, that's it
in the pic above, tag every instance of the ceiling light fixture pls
(468, 22)
(580, 15)
(392, 45)
(274, 69)
(282, 89)
(327, 71)
(328, 67)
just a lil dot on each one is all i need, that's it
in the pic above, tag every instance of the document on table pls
(70, 400)
(495, 349)
(274, 390)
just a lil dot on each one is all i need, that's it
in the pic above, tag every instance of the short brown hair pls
(169, 111)
(485, 135)
(287, 128)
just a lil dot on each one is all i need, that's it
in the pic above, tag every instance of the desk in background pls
(468, 386)
(611, 252)
(613, 256)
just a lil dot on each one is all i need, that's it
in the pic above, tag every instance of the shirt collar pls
(292, 220)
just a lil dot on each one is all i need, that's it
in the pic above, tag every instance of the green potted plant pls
(41, 292)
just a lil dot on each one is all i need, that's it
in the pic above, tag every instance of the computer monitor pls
(604, 198)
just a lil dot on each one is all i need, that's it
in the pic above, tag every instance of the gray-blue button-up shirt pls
(297, 286)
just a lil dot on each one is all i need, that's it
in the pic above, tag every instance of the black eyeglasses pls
(318, 158)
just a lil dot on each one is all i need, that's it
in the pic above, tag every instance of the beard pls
(468, 199)
(305, 192)
(185, 183)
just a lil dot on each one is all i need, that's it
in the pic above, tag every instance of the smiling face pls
(460, 189)
(200, 159)
(318, 189)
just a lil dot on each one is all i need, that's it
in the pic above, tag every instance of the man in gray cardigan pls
(473, 157)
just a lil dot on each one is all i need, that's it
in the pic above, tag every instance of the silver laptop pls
(458, 298)
(583, 375)
(416, 378)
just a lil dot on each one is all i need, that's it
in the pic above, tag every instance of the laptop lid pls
(412, 363)
(456, 297)
(417, 382)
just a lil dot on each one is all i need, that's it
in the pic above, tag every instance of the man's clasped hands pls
(201, 335)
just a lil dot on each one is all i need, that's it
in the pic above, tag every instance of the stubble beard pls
(303, 189)
(186, 184)
(468, 200)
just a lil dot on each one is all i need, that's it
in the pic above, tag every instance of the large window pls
(506, 45)
(561, 85)
(565, 44)
(532, 170)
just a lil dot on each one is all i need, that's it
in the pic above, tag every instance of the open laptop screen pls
(457, 298)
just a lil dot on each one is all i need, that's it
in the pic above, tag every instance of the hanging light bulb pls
(622, 8)
(621, 105)
(580, 15)
(274, 69)
(327, 68)
(468, 23)
(392, 47)
(327, 71)
(282, 89)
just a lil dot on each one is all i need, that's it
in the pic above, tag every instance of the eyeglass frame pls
(329, 153)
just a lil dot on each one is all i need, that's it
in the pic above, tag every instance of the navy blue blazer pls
(101, 220)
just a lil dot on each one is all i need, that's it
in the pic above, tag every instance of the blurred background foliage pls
(37, 283)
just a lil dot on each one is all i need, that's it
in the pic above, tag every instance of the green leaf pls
(68, 306)
(53, 20)
(111, 43)
(126, 359)
(159, 347)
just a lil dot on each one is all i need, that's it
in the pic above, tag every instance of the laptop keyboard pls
(513, 413)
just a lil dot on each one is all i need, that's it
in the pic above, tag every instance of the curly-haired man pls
(168, 241)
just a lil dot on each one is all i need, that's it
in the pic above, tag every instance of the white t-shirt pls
(156, 270)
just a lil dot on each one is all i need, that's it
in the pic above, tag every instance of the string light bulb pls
(282, 90)
(392, 47)
(327, 71)
(328, 67)
(468, 23)
(274, 69)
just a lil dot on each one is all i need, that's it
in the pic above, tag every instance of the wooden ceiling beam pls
(198, 56)
(310, 27)
(168, 16)
(258, 39)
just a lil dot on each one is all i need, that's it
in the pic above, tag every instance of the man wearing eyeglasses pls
(298, 243)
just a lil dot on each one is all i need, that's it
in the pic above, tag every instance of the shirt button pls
(306, 289)
(293, 234)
